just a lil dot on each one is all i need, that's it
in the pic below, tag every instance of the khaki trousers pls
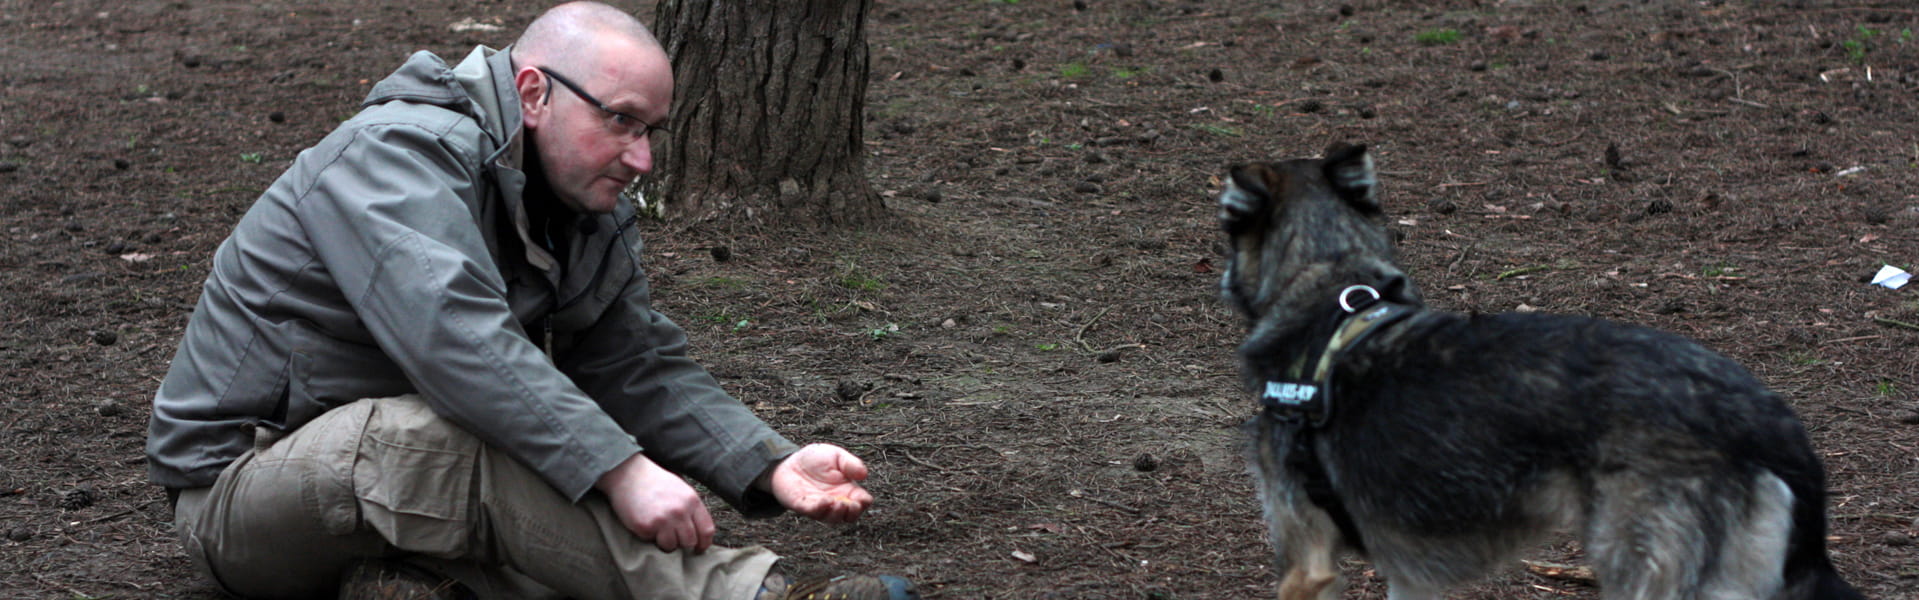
(388, 478)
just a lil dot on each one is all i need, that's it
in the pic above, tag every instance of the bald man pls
(428, 348)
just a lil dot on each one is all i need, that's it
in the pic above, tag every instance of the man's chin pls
(598, 202)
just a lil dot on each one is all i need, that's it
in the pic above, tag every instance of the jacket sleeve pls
(389, 220)
(634, 360)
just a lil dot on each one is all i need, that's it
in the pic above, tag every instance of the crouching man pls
(428, 348)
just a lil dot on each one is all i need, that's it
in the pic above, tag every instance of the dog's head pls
(1300, 231)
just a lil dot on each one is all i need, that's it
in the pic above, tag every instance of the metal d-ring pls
(1348, 306)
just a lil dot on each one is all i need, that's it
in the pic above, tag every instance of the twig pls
(1082, 330)
(68, 588)
(1082, 495)
(1522, 271)
(1562, 572)
(1886, 321)
(917, 461)
(126, 512)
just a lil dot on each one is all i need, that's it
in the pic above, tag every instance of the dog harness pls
(1310, 400)
(1304, 405)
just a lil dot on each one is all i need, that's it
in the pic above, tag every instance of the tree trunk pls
(768, 113)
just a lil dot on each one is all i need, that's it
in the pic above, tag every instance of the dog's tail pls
(1810, 574)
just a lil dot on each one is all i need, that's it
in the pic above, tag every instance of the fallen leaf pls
(136, 257)
(1203, 266)
(1024, 556)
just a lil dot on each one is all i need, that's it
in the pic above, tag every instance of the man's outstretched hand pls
(821, 481)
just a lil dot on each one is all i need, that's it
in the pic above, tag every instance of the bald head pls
(572, 34)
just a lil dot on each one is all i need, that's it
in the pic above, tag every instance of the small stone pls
(106, 338)
(1087, 187)
(1312, 106)
(1368, 112)
(1442, 206)
(1145, 462)
(1346, 10)
(1079, 5)
(1599, 55)
(948, 324)
(1896, 539)
(110, 408)
(75, 226)
(19, 534)
(721, 253)
(1107, 356)
(122, 164)
(277, 117)
(1659, 207)
(933, 194)
(1477, 66)
(116, 247)
(1911, 418)
(1215, 75)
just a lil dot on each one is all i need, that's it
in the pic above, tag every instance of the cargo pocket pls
(414, 477)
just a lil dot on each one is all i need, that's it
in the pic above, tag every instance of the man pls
(429, 345)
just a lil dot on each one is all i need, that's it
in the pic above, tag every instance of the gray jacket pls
(394, 257)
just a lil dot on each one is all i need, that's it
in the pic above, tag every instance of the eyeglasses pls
(627, 126)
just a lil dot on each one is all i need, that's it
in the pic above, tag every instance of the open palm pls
(821, 481)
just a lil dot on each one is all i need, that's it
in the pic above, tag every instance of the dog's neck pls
(1279, 343)
(1301, 346)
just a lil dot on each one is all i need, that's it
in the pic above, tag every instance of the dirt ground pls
(1031, 356)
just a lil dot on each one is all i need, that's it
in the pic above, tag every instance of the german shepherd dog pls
(1436, 444)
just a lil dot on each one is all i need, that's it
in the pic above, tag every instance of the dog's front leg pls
(1312, 575)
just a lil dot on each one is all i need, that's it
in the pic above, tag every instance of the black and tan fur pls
(1457, 439)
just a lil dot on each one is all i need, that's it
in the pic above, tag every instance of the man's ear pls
(533, 90)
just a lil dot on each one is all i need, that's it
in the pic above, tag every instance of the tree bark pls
(768, 113)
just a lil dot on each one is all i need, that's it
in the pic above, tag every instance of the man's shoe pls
(392, 580)
(843, 587)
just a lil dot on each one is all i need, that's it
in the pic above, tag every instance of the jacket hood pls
(481, 86)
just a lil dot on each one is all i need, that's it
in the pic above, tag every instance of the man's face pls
(591, 151)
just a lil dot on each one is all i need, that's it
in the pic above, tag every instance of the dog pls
(1436, 444)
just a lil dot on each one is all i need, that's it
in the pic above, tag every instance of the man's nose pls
(638, 155)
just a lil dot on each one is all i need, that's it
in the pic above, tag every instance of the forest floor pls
(1030, 354)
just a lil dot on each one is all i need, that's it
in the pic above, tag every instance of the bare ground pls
(1031, 356)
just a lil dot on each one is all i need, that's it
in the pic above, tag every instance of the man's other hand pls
(821, 481)
(657, 505)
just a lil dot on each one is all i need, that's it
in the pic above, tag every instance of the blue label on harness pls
(1290, 394)
(1295, 402)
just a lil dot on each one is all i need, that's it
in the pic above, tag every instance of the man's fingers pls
(852, 466)
(703, 528)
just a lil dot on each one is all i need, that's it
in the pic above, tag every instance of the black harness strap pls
(1304, 405)
(1319, 486)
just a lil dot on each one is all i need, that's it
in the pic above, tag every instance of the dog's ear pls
(1349, 168)
(1245, 196)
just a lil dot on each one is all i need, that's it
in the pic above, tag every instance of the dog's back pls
(1657, 450)
(1441, 442)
